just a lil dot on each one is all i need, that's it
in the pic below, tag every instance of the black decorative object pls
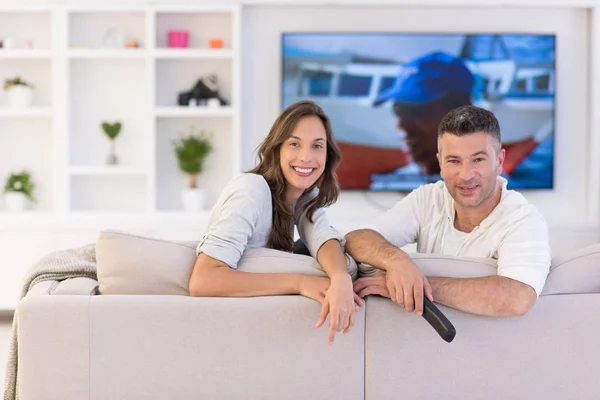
(206, 88)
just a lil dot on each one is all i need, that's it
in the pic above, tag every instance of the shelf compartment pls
(27, 145)
(91, 30)
(202, 27)
(28, 29)
(37, 72)
(108, 194)
(170, 181)
(92, 100)
(176, 76)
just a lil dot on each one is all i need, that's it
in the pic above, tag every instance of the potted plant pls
(20, 93)
(112, 131)
(18, 191)
(191, 152)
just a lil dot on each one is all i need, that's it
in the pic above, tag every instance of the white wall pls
(567, 204)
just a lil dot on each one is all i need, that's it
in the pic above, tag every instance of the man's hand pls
(406, 285)
(371, 285)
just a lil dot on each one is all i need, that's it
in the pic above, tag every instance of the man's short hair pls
(467, 120)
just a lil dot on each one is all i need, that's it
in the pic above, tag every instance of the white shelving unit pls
(84, 74)
(96, 64)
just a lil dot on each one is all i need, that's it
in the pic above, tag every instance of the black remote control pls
(438, 320)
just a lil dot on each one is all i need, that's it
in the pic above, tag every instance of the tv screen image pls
(387, 93)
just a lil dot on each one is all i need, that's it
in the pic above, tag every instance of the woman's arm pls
(213, 278)
(340, 300)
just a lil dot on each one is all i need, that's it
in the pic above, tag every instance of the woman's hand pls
(333, 296)
(341, 303)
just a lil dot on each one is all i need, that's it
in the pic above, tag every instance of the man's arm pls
(378, 244)
(404, 281)
(496, 296)
(369, 247)
(380, 248)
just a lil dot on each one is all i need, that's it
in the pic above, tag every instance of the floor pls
(5, 327)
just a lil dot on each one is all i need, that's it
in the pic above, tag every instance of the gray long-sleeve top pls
(242, 218)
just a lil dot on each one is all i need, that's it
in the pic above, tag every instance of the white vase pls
(193, 200)
(20, 96)
(16, 201)
(9, 43)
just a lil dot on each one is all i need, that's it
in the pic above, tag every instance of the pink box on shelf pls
(178, 38)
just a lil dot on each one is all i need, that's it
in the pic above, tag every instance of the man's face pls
(420, 122)
(470, 166)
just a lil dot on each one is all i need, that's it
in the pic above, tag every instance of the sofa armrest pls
(76, 286)
(53, 357)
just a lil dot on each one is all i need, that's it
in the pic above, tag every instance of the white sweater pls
(243, 217)
(515, 233)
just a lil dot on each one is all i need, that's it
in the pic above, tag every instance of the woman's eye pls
(294, 144)
(318, 146)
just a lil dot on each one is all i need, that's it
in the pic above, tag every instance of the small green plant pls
(191, 152)
(20, 182)
(111, 130)
(16, 81)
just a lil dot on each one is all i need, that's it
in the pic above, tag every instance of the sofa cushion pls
(133, 264)
(577, 272)
(447, 266)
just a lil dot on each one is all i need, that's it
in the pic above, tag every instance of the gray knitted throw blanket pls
(57, 266)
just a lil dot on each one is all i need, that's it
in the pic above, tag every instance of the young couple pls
(469, 213)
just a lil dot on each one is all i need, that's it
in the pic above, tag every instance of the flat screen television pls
(386, 94)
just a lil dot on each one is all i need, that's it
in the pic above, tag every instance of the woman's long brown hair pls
(281, 236)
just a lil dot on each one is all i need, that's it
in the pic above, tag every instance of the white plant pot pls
(20, 96)
(16, 201)
(193, 200)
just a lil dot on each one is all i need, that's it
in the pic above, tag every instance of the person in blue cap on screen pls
(426, 89)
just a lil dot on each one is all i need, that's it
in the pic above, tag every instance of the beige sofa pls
(172, 346)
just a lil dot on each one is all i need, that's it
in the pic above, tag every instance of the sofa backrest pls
(133, 264)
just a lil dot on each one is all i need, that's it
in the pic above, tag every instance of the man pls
(468, 214)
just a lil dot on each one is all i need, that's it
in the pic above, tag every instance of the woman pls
(292, 183)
